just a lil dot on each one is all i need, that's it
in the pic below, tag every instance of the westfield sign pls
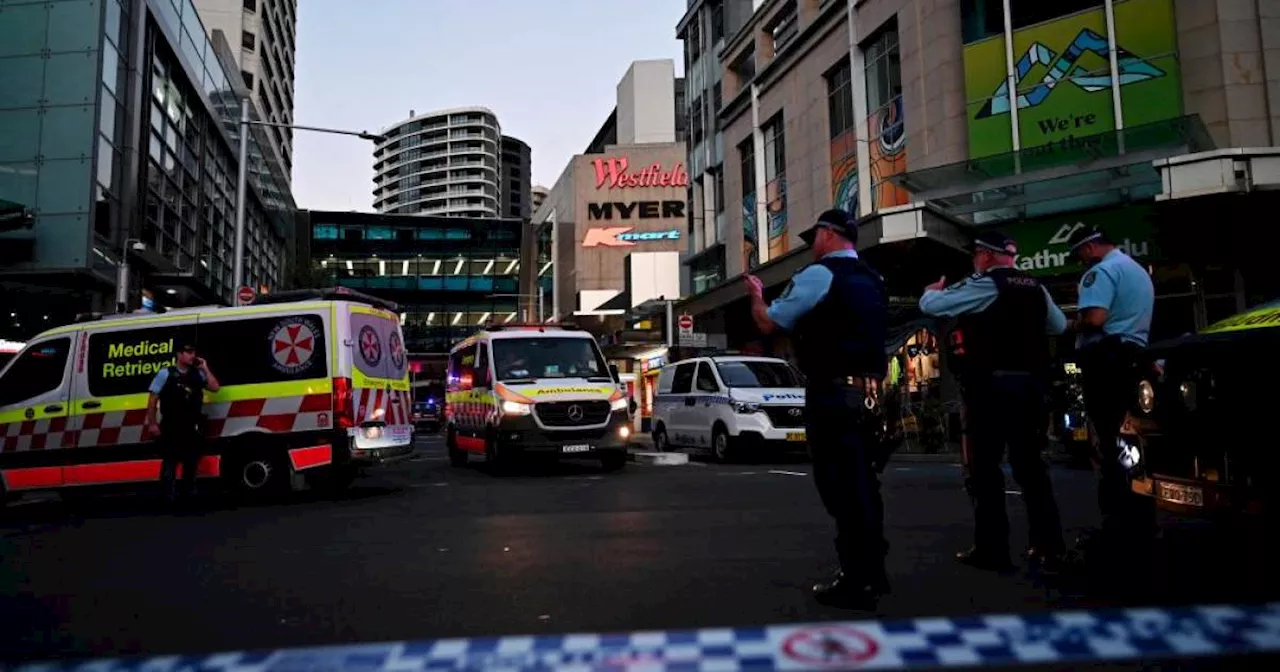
(616, 173)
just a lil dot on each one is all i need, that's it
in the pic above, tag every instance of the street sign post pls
(688, 339)
(245, 295)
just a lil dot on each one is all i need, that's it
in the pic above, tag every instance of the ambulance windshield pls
(550, 357)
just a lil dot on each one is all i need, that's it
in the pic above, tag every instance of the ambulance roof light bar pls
(532, 326)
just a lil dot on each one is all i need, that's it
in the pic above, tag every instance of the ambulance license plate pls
(1187, 495)
(795, 436)
(1080, 434)
(576, 448)
(401, 432)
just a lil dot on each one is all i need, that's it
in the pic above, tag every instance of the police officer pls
(836, 310)
(177, 392)
(1005, 317)
(1116, 303)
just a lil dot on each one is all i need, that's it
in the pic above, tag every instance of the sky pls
(549, 69)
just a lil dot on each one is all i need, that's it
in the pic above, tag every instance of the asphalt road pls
(424, 550)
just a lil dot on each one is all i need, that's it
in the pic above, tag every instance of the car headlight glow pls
(619, 404)
(745, 407)
(1188, 391)
(516, 408)
(1146, 396)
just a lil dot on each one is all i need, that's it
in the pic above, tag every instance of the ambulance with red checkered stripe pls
(514, 391)
(315, 388)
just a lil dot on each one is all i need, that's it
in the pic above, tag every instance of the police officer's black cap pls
(995, 242)
(835, 219)
(186, 344)
(1085, 234)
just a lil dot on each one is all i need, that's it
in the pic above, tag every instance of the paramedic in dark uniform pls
(178, 393)
(1116, 303)
(836, 311)
(1005, 319)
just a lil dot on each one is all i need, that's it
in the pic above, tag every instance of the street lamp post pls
(242, 177)
(122, 276)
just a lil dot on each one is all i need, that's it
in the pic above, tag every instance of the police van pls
(534, 390)
(314, 386)
(722, 404)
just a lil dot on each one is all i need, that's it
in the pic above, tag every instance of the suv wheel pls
(720, 444)
(660, 443)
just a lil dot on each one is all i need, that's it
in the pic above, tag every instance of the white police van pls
(722, 404)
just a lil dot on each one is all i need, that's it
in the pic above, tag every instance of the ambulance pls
(314, 387)
(534, 390)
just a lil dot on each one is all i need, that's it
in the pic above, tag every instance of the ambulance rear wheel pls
(259, 473)
(457, 456)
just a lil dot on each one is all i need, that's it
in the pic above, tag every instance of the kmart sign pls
(1043, 243)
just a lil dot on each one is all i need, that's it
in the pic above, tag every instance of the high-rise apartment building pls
(263, 39)
(440, 163)
(516, 179)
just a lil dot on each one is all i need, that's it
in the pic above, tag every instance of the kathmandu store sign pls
(1043, 249)
(623, 236)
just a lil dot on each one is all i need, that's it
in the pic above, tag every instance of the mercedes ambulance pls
(534, 390)
(314, 388)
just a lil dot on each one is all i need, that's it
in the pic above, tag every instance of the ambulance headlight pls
(516, 408)
(619, 404)
(1146, 396)
(745, 407)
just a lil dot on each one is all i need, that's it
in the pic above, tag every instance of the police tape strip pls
(956, 642)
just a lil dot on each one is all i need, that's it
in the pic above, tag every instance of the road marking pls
(788, 473)
(1013, 492)
(739, 473)
(428, 485)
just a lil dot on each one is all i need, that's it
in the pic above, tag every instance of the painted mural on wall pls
(888, 151)
(888, 154)
(1063, 81)
(776, 193)
(844, 172)
(750, 244)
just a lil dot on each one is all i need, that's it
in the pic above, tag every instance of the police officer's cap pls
(837, 220)
(186, 344)
(1085, 234)
(995, 242)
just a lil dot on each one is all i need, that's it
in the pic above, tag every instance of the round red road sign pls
(835, 646)
(686, 322)
(246, 294)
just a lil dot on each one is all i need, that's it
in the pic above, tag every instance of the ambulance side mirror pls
(613, 373)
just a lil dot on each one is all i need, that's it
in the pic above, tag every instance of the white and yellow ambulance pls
(534, 390)
(314, 384)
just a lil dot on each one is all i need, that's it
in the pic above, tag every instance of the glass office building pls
(118, 136)
(450, 275)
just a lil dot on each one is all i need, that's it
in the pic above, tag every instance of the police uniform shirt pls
(807, 288)
(1122, 287)
(157, 383)
(975, 294)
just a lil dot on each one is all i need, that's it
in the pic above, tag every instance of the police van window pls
(759, 374)
(706, 379)
(551, 357)
(274, 349)
(682, 383)
(35, 371)
(125, 361)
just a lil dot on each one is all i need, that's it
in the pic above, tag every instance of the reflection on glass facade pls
(64, 118)
(450, 275)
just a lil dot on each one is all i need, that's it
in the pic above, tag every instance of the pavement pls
(424, 550)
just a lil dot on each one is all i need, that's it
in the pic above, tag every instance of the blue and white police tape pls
(1070, 637)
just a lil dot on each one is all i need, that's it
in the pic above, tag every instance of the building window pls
(717, 21)
(747, 168)
(693, 42)
(885, 131)
(775, 184)
(980, 19)
(719, 187)
(785, 29)
(248, 41)
(839, 99)
(248, 78)
(697, 116)
(250, 5)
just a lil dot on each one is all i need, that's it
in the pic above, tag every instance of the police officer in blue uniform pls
(1004, 320)
(1116, 302)
(177, 398)
(836, 311)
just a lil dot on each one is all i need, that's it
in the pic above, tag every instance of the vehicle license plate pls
(795, 436)
(401, 432)
(1080, 433)
(576, 448)
(1181, 494)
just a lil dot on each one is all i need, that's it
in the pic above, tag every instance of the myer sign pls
(1043, 243)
